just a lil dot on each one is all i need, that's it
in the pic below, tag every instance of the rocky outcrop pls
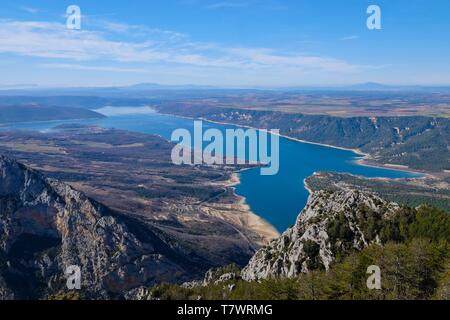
(46, 226)
(331, 223)
(216, 276)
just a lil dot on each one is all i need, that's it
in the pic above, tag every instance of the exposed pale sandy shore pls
(306, 185)
(253, 221)
(257, 230)
(367, 162)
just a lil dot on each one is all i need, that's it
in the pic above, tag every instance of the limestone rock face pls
(46, 226)
(216, 276)
(331, 222)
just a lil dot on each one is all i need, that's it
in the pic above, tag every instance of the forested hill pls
(27, 113)
(418, 142)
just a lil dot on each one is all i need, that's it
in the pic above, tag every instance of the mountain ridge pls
(330, 223)
(116, 253)
(36, 112)
(326, 255)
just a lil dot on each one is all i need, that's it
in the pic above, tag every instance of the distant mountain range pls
(370, 86)
(18, 86)
(154, 87)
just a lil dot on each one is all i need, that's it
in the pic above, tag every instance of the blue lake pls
(278, 198)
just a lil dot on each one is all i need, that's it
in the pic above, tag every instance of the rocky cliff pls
(46, 226)
(332, 223)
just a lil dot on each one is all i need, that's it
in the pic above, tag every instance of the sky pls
(226, 43)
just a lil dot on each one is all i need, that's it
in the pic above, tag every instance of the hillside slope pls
(331, 223)
(47, 226)
(326, 255)
(31, 112)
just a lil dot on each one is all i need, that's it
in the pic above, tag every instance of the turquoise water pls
(279, 198)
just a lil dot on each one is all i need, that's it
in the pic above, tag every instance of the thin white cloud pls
(271, 5)
(268, 58)
(69, 66)
(348, 38)
(226, 4)
(134, 30)
(31, 10)
(54, 40)
(165, 51)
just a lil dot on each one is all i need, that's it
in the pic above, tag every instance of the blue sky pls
(246, 43)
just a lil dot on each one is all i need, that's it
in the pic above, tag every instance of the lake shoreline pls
(364, 157)
(254, 221)
(301, 190)
(8, 124)
(360, 158)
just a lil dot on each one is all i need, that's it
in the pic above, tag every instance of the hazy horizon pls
(356, 86)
